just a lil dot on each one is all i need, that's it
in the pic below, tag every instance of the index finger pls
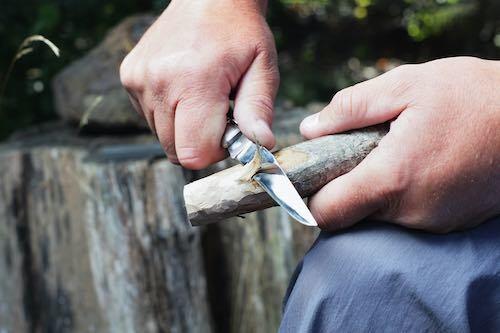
(200, 122)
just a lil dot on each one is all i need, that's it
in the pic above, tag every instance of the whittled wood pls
(309, 165)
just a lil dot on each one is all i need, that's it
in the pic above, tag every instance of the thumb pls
(254, 101)
(351, 197)
(368, 103)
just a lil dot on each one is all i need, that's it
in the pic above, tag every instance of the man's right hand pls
(181, 75)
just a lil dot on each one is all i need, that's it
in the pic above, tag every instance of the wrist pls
(259, 6)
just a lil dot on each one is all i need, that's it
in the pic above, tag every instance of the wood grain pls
(309, 165)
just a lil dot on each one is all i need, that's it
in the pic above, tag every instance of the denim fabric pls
(381, 278)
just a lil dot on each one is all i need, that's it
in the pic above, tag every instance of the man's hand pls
(438, 168)
(183, 71)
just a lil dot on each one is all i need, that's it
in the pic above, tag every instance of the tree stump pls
(96, 239)
(108, 245)
(15, 260)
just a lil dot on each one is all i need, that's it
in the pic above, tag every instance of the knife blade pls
(270, 176)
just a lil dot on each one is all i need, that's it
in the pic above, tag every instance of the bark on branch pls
(309, 165)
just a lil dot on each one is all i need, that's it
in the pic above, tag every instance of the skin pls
(187, 66)
(438, 168)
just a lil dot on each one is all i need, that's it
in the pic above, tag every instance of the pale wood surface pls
(309, 165)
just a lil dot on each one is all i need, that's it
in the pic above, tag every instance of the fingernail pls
(310, 122)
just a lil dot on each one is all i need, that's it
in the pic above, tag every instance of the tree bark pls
(96, 239)
(309, 165)
(103, 244)
(14, 289)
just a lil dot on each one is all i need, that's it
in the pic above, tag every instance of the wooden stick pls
(310, 165)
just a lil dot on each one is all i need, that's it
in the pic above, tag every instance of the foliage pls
(324, 45)
(24, 49)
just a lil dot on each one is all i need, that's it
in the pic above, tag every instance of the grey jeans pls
(381, 278)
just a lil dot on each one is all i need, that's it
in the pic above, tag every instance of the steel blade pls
(281, 189)
(276, 183)
(270, 175)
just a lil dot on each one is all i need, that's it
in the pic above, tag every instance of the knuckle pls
(263, 105)
(401, 88)
(158, 75)
(228, 68)
(192, 78)
(343, 102)
(393, 187)
(403, 80)
(268, 53)
(136, 105)
(321, 218)
(327, 216)
(167, 142)
(391, 202)
(274, 77)
(262, 47)
(126, 73)
(225, 65)
(403, 70)
(221, 60)
(327, 220)
(327, 115)
(400, 177)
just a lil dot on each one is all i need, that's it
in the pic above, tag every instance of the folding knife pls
(271, 178)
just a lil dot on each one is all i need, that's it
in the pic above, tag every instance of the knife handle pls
(309, 165)
(231, 134)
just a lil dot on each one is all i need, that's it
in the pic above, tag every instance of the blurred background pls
(93, 231)
(324, 45)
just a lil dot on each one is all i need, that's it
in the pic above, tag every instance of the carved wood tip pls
(309, 165)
